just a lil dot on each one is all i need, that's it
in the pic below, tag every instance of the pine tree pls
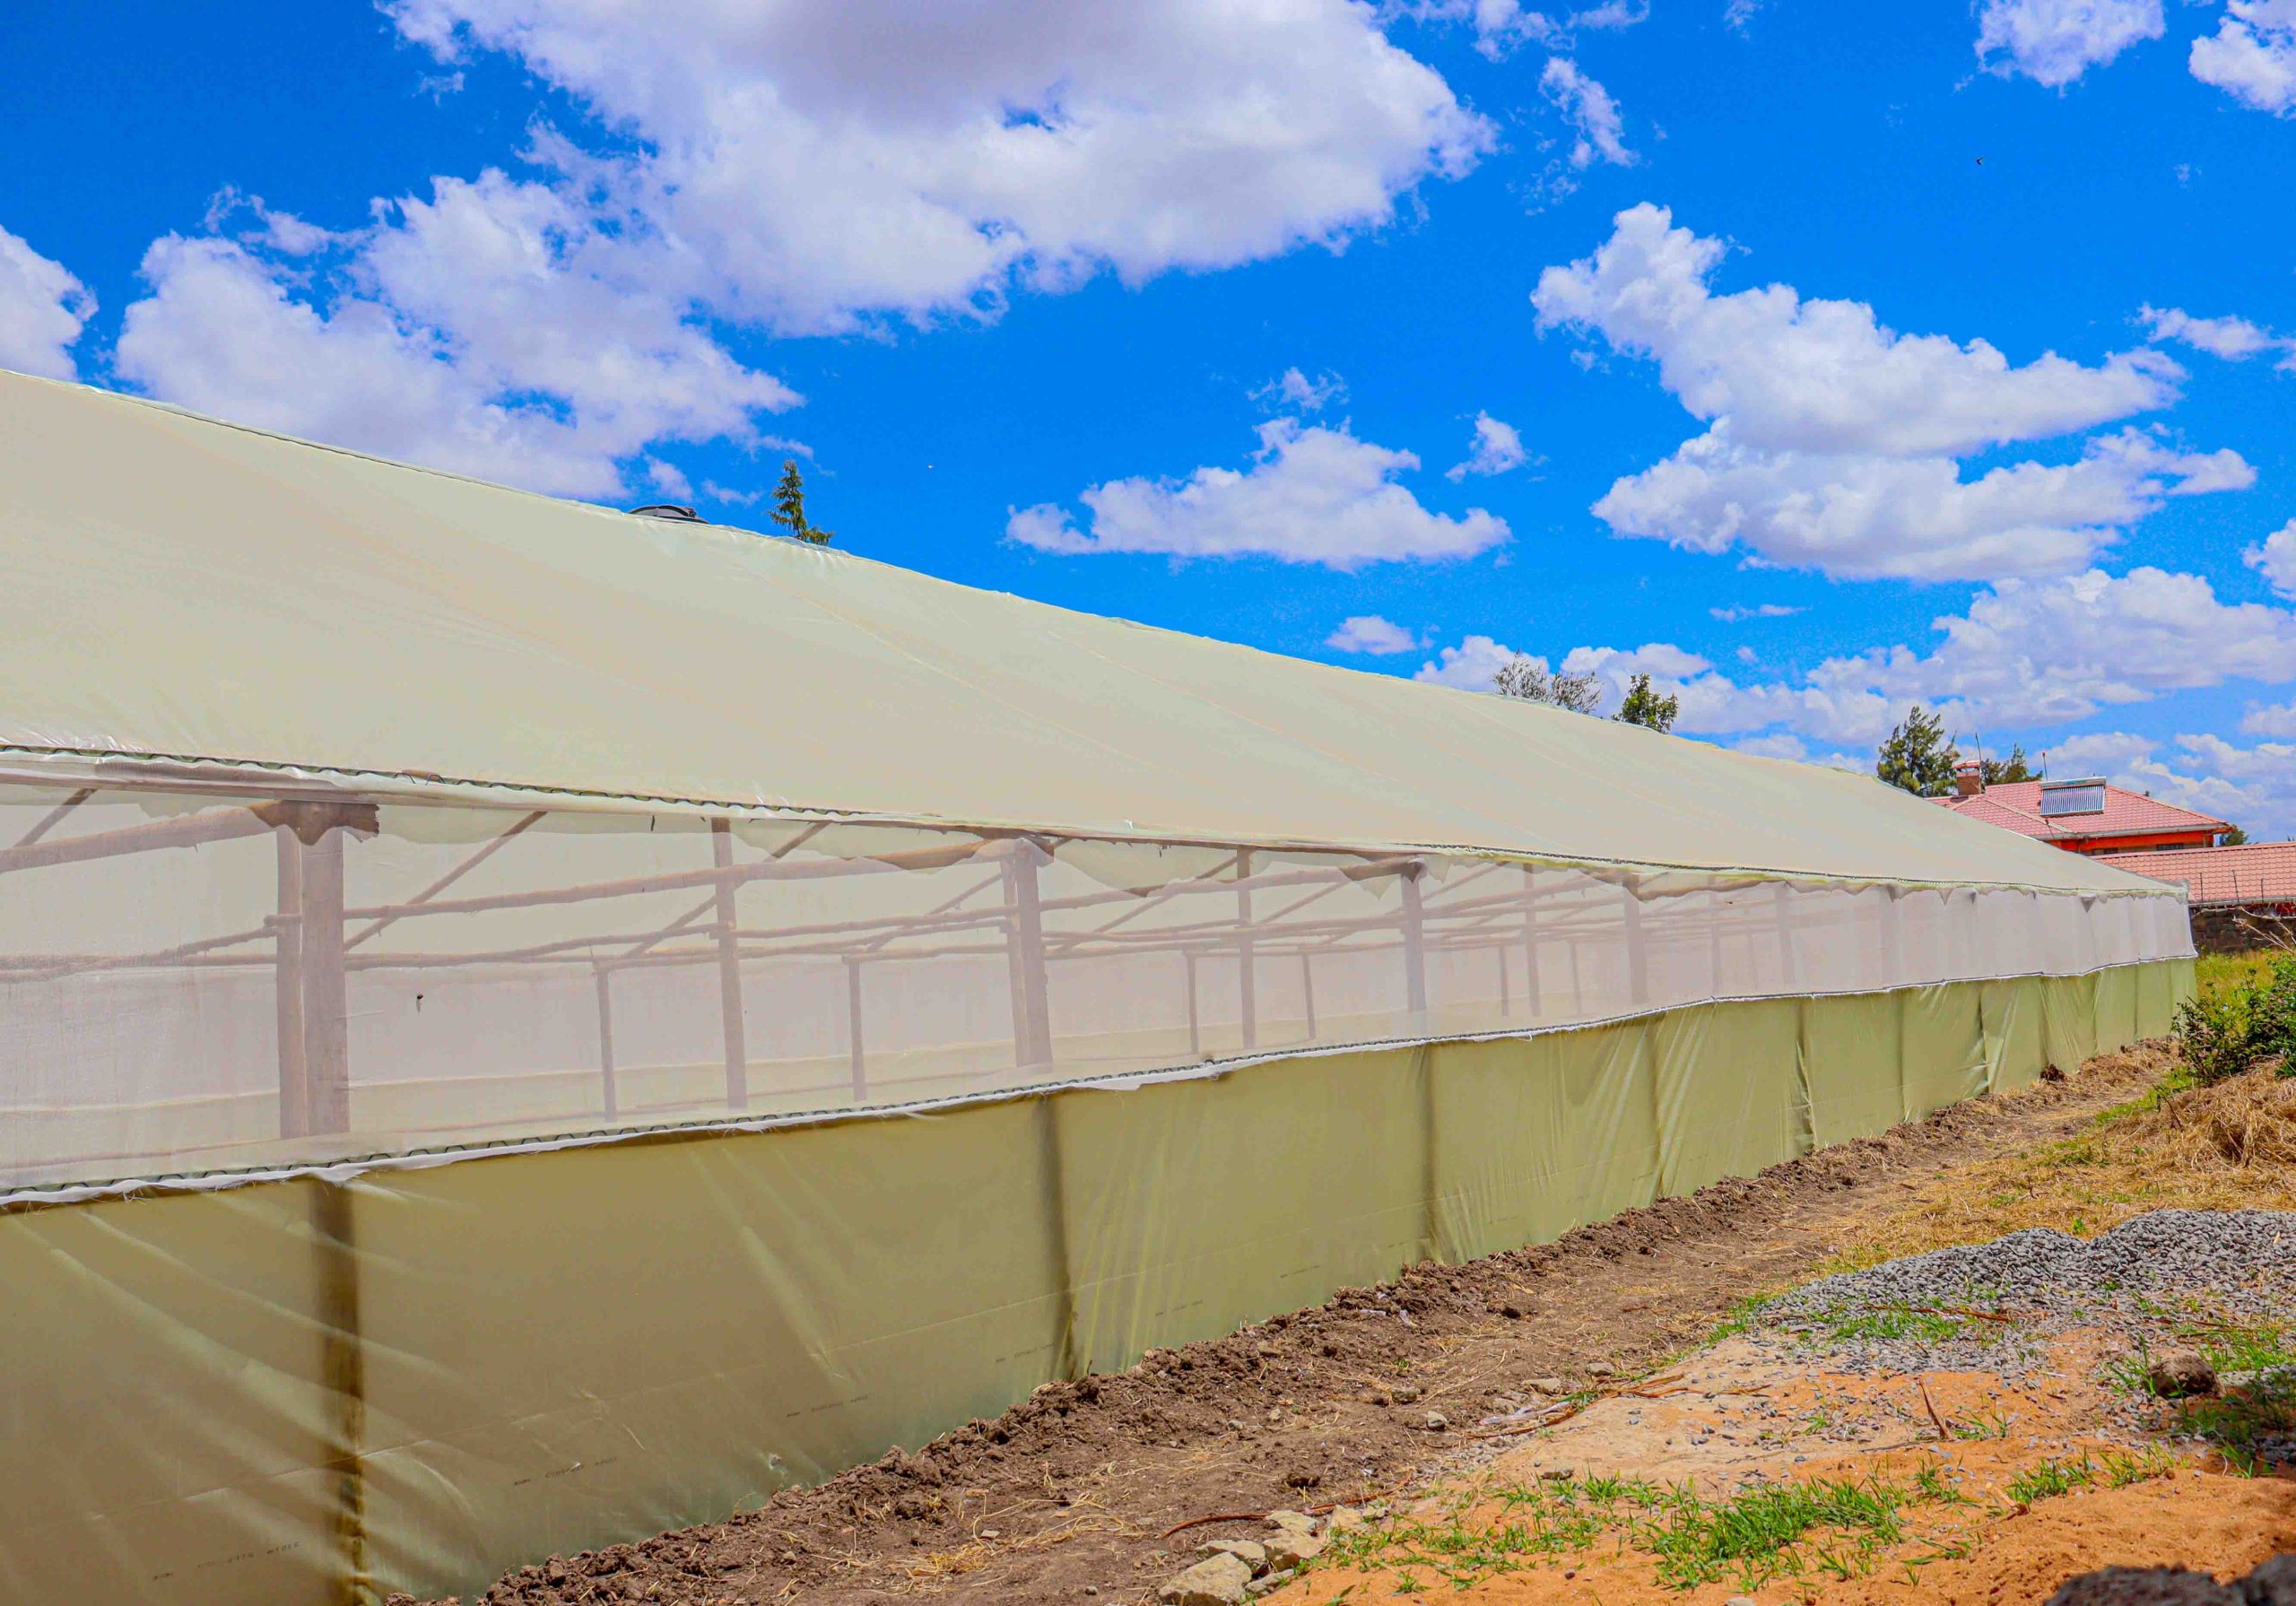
(1525, 679)
(789, 506)
(1644, 706)
(1918, 757)
(2015, 767)
(2233, 838)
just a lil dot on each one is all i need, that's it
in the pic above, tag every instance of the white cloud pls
(1591, 112)
(2254, 787)
(1864, 515)
(1500, 25)
(1781, 745)
(2252, 54)
(1311, 495)
(499, 328)
(1758, 611)
(2234, 339)
(1834, 441)
(1297, 393)
(2055, 41)
(2025, 653)
(2275, 558)
(1823, 376)
(2269, 719)
(1369, 633)
(825, 176)
(42, 310)
(1472, 665)
(1497, 449)
(1739, 14)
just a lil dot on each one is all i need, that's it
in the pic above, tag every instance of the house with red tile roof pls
(2251, 874)
(2242, 897)
(2088, 816)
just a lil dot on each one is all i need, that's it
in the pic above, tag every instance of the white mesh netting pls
(198, 983)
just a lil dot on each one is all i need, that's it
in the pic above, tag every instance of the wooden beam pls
(672, 880)
(183, 830)
(294, 1074)
(1032, 1025)
(1415, 957)
(859, 1065)
(1534, 996)
(729, 968)
(609, 1097)
(1246, 956)
(327, 1009)
(55, 816)
(485, 853)
(1638, 952)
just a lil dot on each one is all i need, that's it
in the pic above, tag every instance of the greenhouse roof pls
(207, 594)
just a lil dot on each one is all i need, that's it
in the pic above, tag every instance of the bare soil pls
(1737, 1417)
(1070, 1495)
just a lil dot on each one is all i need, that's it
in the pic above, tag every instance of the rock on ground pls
(1221, 1580)
(2271, 1584)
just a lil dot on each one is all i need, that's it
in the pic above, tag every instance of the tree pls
(1918, 757)
(1526, 678)
(2233, 838)
(2012, 768)
(789, 506)
(1644, 706)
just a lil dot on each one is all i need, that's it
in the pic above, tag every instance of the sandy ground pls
(1735, 1416)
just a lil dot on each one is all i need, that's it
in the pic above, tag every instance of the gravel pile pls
(2236, 1265)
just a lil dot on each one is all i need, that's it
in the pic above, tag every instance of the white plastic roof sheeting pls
(194, 590)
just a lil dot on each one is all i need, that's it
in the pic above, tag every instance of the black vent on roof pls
(669, 510)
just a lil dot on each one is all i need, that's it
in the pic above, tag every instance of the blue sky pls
(1814, 358)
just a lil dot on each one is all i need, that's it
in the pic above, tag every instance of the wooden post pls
(1893, 940)
(1308, 991)
(1534, 996)
(1637, 956)
(1247, 955)
(859, 1066)
(1414, 946)
(1032, 1025)
(1783, 895)
(1506, 1002)
(1714, 942)
(609, 1102)
(1195, 1028)
(326, 1006)
(287, 931)
(729, 968)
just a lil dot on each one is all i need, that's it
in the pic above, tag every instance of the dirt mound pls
(2248, 1122)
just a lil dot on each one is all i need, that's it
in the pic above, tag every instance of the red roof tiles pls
(2016, 806)
(2253, 872)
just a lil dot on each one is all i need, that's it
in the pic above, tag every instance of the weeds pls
(2225, 1030)
(2253, 1427)
(2124, 1468)
(1840, 1526)
(2052, 1477)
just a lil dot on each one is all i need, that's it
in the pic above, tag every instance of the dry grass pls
(2228, 1147)
(2216, 973)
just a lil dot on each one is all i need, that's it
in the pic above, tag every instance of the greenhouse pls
(524, 1025)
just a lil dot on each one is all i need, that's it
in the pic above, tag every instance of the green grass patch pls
(2052, 1477)
(1838, 1527)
